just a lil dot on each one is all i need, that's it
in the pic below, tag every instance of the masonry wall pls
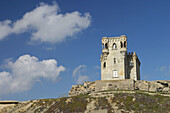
(127, 84)
(133, 71)
(138, 69)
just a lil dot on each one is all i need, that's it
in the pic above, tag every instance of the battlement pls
(132, 53)
(114, 43)
(111, 39)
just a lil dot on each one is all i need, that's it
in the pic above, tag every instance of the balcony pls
(105, 51)
(123, 49)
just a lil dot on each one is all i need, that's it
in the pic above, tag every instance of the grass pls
(143, 102)
(135, 91)
(77, 104)
(138, 102)
(115, 90)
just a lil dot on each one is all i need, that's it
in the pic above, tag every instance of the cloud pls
(25, 71)
(78, 70)
(145, 77)
(162, 68)
(97, 67)
(81, 79)
(46, 24)
(165, 69)
(5, 28)
(77, 74)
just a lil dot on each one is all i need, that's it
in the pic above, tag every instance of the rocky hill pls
(101, 102)
(90, 87)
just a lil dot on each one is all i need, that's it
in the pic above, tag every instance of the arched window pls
(131, 63)
(106, 46)
(104, 65)
(125, 44)
(121, 44)
(114, 46)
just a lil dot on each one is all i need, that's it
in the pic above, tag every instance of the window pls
(115, 73)
(104, 65)
(106, 46)
(114, 46)
(131, 63)
(114, 60)
(125, 44)
(121, 44)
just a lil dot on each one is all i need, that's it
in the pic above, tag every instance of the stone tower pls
(116, 63)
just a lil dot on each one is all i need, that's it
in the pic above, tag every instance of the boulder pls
(142, 85)
(166, 90)
(154, 86)
(86, 88)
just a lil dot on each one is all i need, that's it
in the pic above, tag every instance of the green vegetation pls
(102, 103)
(68, 105)
(142, 102)
(135, 91)
(129, 102)
(115, 90)
(124, 102)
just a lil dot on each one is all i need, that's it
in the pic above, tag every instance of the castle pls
(116, 63)
(119, 71)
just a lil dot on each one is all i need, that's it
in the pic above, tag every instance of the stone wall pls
(127, 84)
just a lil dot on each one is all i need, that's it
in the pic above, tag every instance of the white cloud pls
(97, 67)
(5, 28)
(25, 71)
(46, 24)
(165, 69)
(81, 79)
(145, 77)
(77, 74)
(78, 70)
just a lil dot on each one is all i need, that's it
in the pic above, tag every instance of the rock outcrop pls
(105, 102)
(86, 88)
(127, 96)
(153, 86)
(127, 84)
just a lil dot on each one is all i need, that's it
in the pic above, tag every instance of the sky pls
(47, 46)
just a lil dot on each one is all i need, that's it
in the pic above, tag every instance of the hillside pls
(105, 102)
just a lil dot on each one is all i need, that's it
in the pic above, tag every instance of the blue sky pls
(46, 46)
